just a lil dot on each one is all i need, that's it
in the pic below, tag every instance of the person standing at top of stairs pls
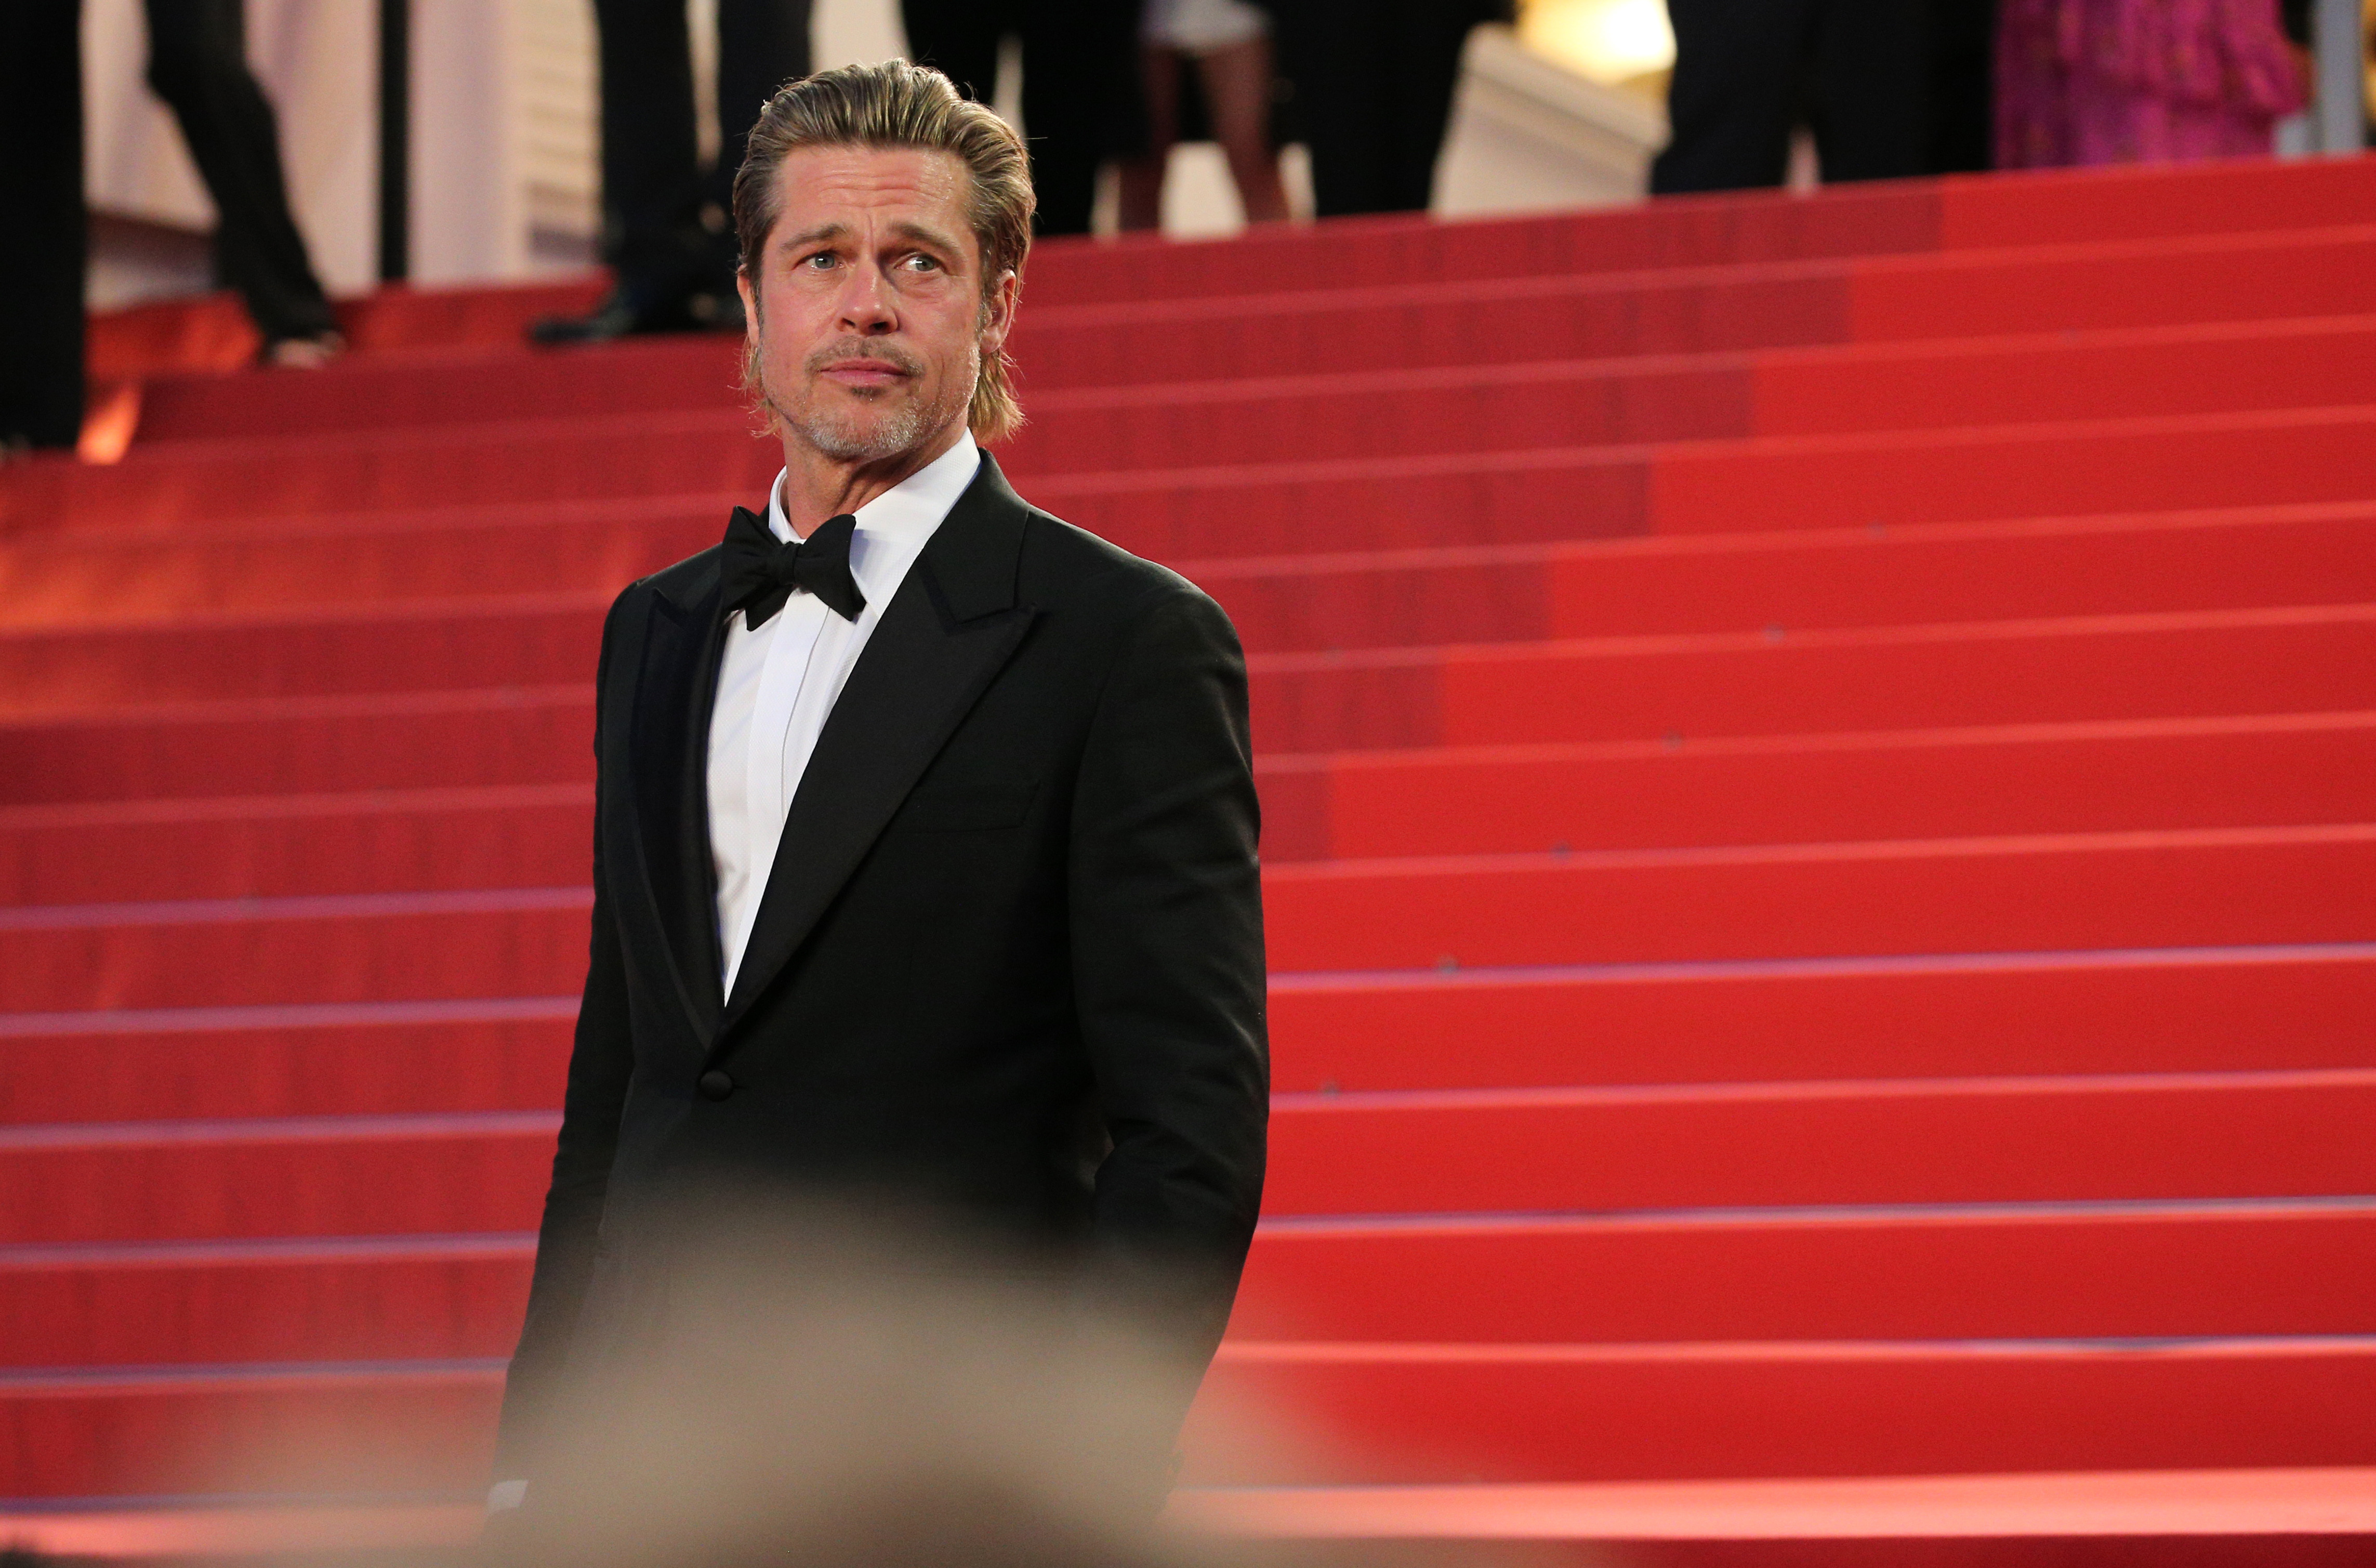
(666, 229)
(1228, 44)
(2129, 81)
(197, 64)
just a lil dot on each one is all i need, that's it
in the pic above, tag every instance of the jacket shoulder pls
(1068, 567)
(679, 587)
(682, 582)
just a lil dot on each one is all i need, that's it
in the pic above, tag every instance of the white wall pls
(843, 32)
(504, 142)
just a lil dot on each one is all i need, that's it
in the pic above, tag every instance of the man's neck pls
(817, 487)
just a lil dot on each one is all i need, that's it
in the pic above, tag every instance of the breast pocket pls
(963, 805)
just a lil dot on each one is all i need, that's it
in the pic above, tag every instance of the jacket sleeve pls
(1167, 946)
(601, 1059)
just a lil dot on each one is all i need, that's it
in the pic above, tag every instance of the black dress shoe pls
(623, 315)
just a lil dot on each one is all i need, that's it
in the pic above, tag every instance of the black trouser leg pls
(1335, 53)
(1963, 85)
(1871, 110)
(960, 39)
(651, 167)
(197, 64)
(1423, 71)
(41, 191)
(761, 44)
(1374, 88)
(1080, 70)
(1740, 80)
(1077, 55)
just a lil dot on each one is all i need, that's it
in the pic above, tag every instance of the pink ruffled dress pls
(2127, 81)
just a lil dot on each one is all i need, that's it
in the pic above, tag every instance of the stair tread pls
(2339, 1500)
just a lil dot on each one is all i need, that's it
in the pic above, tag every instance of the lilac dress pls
(2127, 81)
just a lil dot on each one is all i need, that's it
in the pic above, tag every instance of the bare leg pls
(1142, 177)
(1237, 90)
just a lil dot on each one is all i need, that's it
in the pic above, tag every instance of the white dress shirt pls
(777, 685)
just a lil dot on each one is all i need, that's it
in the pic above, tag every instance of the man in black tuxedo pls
(924, 863)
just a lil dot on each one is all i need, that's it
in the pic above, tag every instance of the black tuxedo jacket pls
(1009, 961)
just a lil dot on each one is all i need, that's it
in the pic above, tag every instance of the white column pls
(466, 220)
(2340, 109)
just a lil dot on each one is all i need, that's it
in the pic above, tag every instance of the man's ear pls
(750, 292)
(998, 311)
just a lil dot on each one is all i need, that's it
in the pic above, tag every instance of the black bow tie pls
(761, 572)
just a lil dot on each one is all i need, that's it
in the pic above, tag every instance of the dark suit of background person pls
(1008, 962)
(1373, 86)
(1962, 86)
(666, 233)
(1080, 84)
(1747, 72)
(42, 255)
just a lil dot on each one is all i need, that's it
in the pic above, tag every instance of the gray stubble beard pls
(903, 431)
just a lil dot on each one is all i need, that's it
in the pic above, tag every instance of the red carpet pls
(1820, 768)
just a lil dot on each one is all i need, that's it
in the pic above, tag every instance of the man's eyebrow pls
(921, 233)
(929, 236)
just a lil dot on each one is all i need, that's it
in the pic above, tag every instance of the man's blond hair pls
(897, 104)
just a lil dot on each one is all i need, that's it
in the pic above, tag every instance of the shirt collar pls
(915, 505)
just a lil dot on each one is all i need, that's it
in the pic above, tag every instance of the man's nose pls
(866, 302)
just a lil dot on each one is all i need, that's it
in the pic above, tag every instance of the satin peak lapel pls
(946, 632)
(670, 747)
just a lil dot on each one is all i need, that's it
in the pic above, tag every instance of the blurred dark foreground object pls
(846, 1391)
(837, 1392)
(815, 1372)
(984, 1534)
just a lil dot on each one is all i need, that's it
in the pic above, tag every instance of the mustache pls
(898, 358)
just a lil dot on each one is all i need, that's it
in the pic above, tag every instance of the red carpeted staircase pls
(1820, 769)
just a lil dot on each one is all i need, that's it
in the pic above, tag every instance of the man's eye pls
(820, 261)
(924, 263)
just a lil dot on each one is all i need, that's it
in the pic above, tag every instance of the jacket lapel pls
(950, 628)
(670, 750)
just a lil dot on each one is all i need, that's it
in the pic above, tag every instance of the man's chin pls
(874, 439)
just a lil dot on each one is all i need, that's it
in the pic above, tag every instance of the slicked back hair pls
(896, 104)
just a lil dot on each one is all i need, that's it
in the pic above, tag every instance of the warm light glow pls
(1609, 41)
(110, 417)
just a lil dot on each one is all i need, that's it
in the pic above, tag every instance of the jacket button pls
(716, 1085)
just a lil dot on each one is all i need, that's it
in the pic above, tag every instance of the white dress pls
(1199, 27)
